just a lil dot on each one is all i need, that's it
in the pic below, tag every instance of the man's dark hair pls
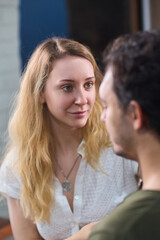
(135, 60)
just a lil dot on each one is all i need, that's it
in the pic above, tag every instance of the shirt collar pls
(81, 148)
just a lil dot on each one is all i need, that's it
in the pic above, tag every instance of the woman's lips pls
(79, 113)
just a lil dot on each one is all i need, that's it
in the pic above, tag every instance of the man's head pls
(130, 91)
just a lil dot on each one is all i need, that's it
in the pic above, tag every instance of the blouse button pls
(76, 197)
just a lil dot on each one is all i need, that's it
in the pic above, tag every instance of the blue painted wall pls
(40, 19)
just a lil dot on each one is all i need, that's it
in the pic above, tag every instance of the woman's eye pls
(67, 88)
(88, 84)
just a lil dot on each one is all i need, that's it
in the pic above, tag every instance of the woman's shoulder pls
(108, 159)
(9, 162)
(108, 156)
(9, 177)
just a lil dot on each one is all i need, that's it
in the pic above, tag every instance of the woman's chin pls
(79, 124)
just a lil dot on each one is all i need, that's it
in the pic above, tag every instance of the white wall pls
(9, 67)
(9, 61)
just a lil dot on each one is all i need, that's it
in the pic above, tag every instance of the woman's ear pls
(42, 98)
(136, 115)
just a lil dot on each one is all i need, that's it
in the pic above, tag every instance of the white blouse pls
(95, 193)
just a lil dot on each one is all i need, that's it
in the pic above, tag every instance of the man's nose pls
(103, 115)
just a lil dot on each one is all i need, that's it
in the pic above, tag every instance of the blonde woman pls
(60, 173)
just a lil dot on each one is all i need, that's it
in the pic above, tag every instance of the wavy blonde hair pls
(29, 127)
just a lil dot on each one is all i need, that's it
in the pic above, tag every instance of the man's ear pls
(136, 115)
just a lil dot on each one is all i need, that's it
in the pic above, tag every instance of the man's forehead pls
(108, 76)
(106, 85)
(107, 80)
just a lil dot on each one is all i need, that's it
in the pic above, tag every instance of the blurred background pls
(26, 23)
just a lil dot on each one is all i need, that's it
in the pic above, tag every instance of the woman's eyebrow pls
(88, 78)
(70, 80)
(66, 80)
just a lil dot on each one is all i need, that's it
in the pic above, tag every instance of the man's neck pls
(149, 160)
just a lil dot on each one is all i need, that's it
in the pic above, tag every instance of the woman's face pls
(70, 91)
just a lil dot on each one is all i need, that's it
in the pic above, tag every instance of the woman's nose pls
(80, 97)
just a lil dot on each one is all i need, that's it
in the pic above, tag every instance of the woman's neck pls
(66, 139)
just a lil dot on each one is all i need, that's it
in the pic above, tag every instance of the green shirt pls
(137, 218)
